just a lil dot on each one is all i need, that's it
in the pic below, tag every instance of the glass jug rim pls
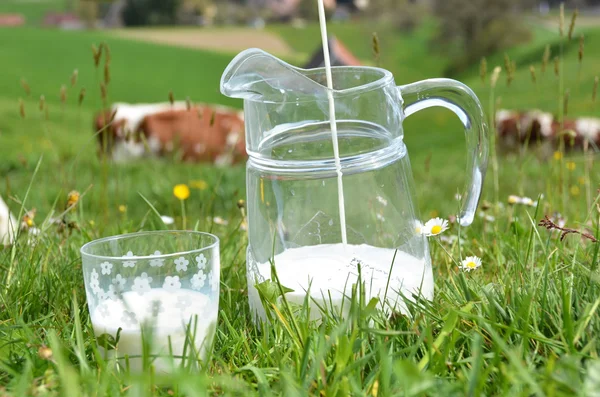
(381, 77)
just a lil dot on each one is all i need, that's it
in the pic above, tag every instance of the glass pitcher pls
(293, 203)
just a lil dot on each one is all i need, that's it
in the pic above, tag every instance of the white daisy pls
(512, 199)
(167, 220)
(435, 226)
(220, 221)
(418, 227)
(470, 263)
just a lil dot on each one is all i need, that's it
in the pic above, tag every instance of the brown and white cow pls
(541, 129)
(203, 133)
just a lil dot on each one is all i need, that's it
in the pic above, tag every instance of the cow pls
(200, 133)
(542, 130)
(8, 225)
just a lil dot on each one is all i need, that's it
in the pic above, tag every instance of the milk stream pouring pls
(295, 193)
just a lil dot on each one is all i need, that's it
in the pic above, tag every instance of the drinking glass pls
(154, 291)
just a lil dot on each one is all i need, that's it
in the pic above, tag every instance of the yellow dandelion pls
(470, 263)
(571, 165)
(435, 226)
(122, 208)
(574, 190)
(558, 155)
(581, 180)
(73, 198)
(199, 184)
(181, 191)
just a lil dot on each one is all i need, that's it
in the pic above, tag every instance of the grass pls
(526, 323)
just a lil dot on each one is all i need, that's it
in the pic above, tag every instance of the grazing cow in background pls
(203, 133)
(515, 128)
(8, 224)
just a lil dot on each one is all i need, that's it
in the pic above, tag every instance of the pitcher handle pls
(461, 100)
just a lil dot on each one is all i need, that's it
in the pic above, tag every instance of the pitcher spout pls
(259, 76)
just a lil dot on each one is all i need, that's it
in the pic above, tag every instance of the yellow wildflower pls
(581, 180)
(122, 208)
(574, 190)
(27, 221)
(557, 155)
(199, 184)
(571, 165)
(73, 198)
(181, 191)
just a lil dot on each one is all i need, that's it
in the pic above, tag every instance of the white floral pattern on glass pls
(183, 302)
(129, 318)
(119, 282)
(172, 283)
(214, 281)
(102, 295)
(106, 267)
(156, 262)
(95, 285)
(94, 274)
(129, 254)
(198, 280)
(103, 310)
(201, 259)
(112, 293)
(156, 307)
(181, 264)
(141, 284)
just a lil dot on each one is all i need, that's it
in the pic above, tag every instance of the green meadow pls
(525, 323)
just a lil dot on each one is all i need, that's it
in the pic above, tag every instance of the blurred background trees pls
(470, 29)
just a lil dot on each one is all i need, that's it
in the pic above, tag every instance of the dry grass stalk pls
(532, 71)
(74, 77)
(556, 66)
(81, 96)
(97, 53)
(581, 42)
(107, 72)
(550, 225)
(508, 65)
(483, 69)
(595, 89)
(376, 49)
(42, 102)
(572, 25)
(21, 108)
(188, 103)
(546, 58)
(561, 21)
(495, 75)
(63, 94)
(103, 91)
(26, 87)
(171, 98)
